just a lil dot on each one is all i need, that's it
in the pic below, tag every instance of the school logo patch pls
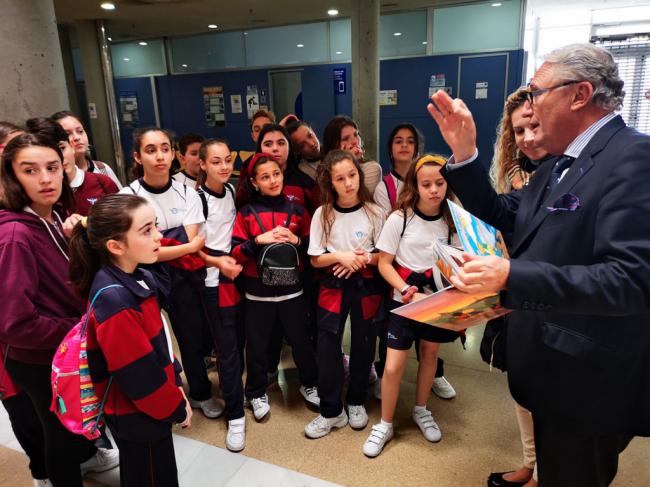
(292, 197)
(173, 211)
(92, 201)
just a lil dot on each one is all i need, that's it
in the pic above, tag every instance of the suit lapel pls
(537, 211)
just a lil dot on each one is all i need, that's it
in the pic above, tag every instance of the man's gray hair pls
(586, 62)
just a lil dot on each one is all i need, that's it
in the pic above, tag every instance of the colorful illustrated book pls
(451, 308)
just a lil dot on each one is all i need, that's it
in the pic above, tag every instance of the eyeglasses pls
(532, 94)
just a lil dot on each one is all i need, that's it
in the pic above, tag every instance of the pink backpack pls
(74, 400)
(391, 189)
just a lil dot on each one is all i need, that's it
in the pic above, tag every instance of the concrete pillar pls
(95, 87)
(365, 72)
(68, 68)
(32, 82)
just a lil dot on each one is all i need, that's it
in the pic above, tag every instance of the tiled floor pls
(479, 436)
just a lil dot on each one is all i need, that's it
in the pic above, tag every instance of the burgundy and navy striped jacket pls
(126, 340)
(273, 211)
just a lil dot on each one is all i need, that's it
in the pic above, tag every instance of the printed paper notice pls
(235, 103)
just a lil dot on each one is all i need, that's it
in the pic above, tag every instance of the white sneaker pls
(321, 426)
(379, 436)
(429, 428)
(236, 435)
(311, 395)
(346, 365)
(442, 388)
(358, 417)
(103, 460)
(210, 408)
(43, 483)
(377, 391)
(260, 406)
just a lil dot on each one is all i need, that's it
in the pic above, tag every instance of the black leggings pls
(28, 431)
(147, 463)
(260, 319)
(64, 451)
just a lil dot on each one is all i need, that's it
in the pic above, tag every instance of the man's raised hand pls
(456, 124)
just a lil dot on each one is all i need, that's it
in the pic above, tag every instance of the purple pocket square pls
(566, 202)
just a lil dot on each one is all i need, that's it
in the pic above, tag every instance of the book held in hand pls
(450, 308)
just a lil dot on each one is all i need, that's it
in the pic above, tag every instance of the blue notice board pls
(339, 81)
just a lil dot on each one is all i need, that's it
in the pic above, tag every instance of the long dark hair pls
(8, 128)
(328, 194)
(137, 170)
(409, 196)
(332, 133)
(419, 140)
(108, 219)
(274, 127)
(15, 198)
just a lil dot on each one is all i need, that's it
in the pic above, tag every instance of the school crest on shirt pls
(92, 201)
(292, 197)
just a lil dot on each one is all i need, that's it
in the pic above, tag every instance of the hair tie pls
(441, 161)
(84, 222)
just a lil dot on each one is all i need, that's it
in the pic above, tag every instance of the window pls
(632, 54)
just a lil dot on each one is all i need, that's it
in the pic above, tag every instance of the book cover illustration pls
(450, 308)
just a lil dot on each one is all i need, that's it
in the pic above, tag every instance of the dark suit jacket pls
(579, 338)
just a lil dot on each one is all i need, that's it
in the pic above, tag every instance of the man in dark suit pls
(579, 275)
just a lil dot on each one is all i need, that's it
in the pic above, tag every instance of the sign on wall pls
(252, 100)
(235, 103)
(129, 108)
(387, 97)
(214, 106)
(339, 81)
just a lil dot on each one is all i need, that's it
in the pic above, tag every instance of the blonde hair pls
(506, 153)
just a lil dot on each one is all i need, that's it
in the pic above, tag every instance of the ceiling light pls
(245, 33)
(142, 43)
(110, 39)
(108, 6)
(424, 43)
(332, 12)
(184, 65)
(339, 52)
(213, 26)
(497, 4)
(397, 34)
(126, 59)
(300, 45)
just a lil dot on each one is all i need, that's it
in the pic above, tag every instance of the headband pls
(441, 161)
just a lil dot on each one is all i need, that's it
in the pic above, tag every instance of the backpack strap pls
(403, 226)
(204, 203)
(391, 188)
(259, 220)
(92, 305)
(289, 214)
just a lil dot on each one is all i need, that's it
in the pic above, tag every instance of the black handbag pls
(278, 263)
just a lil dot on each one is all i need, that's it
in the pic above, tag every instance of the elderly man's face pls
(552, 109)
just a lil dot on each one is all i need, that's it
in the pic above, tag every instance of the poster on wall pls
(387, 97)
(214, 106)
(438, 82)
(129, 108)
(252, 100)
(235, 103)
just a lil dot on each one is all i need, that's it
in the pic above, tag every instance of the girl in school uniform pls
(344, 231)
(342, 133)
(179, 219)
(274, 140)
(39, 306)
(79, 140)
(271, 217)
(406, 263)
(127, 340)
(87, 187)
(405, 144)
(217, 202)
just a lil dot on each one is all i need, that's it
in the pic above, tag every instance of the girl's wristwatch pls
(405, 289)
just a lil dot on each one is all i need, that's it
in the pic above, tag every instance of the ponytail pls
(108, 219)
